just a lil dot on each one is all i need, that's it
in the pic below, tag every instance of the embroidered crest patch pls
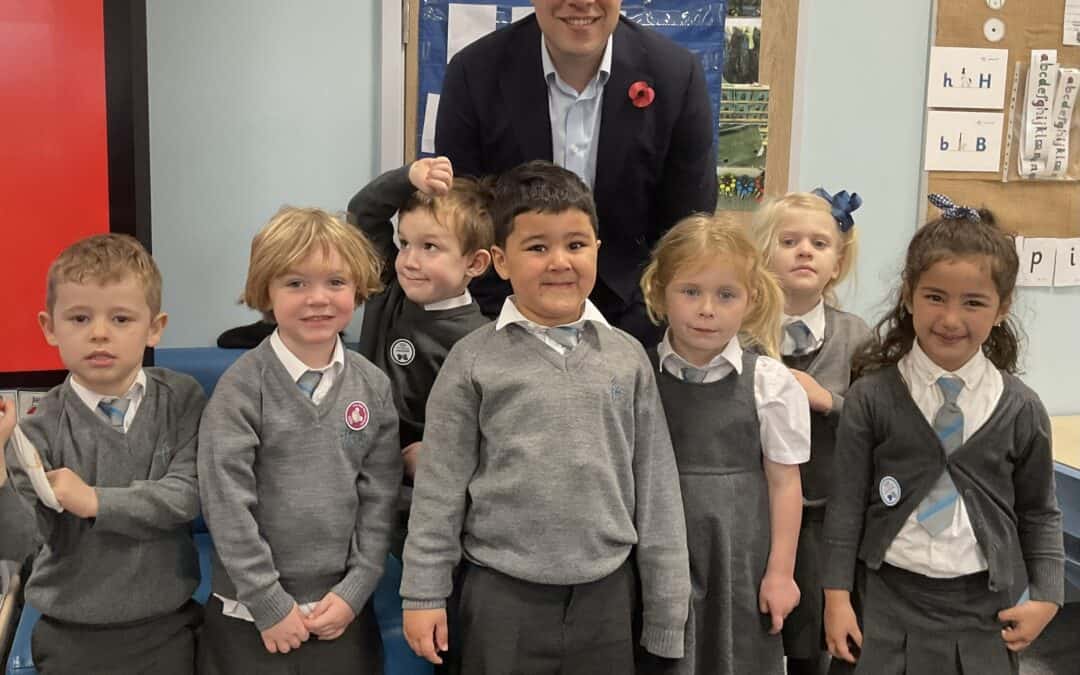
(402, 352)
(356, 415)
(889, 489)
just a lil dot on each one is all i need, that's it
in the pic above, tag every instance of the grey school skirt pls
(917, 624)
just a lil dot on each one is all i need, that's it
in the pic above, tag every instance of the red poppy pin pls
(641, 94)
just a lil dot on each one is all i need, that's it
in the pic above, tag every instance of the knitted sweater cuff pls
(1046, 580)
(439, 603)
(271, 607)
(666, 642)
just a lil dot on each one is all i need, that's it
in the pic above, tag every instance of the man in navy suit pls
(620, 105)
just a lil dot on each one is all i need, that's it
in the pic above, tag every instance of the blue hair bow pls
(843, 204)
(950, 210)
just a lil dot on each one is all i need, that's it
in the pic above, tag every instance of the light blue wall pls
(253, 104)
(862, 104)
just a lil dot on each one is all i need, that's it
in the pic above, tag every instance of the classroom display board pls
(747, 50)
(982, 150)
(74, 157)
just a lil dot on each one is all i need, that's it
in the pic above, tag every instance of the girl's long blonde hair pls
(699, 239)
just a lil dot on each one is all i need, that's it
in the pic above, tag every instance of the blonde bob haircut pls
(775, 213)
(700, 240)
(292, 235)
(103, 259)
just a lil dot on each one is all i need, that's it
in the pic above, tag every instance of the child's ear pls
(46, 323)
(498, 258)
(478, 263)
(157, 327)
(1003, 311)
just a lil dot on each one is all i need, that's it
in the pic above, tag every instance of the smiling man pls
(621, 106)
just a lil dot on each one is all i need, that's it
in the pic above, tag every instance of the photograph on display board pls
(743, 136)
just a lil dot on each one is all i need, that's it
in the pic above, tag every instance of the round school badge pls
(357, 415)
(889, 489)
(402, 352)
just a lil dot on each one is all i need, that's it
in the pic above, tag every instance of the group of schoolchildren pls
(772, 478)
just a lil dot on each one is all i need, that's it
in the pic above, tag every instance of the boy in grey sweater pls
(546, 463)
(116, 568)
(299, 465)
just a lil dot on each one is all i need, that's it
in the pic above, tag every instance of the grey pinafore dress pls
(716, 435)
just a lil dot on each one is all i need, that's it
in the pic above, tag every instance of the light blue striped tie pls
(695, 375)
(309, 381)
(936, 510)
(115, 410)
(801, 336)
(565, 336)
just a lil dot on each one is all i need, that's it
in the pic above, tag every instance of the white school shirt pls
(135, 393)
(782, 407)
(953, 552)
(575, 118)
(814, 320)
(450, 303)
(296, 368)
(511, 314)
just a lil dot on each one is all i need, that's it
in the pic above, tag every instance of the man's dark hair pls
(540, 187)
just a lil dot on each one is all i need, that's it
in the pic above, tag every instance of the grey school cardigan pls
(1004, 472)
(550, 469)
(136, 559)
(299, 502)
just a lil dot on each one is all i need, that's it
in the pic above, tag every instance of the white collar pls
(926, 372)
(511, 314)
(602, 73)
(814, 320)
(450, 303)
(91, 398)
(295, 366)
(731, 355)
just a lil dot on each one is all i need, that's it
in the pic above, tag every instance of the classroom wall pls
(851, 141)
(258, 102)
(253, 104)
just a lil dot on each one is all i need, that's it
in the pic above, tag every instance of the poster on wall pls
(967, 78)
(743, 131)
(963, 141)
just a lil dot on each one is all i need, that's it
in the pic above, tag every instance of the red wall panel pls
(53, 156)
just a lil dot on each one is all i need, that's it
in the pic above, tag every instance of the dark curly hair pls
(946, 239)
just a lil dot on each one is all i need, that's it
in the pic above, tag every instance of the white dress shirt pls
(511, 314)
(135, 394)
(782, 407)
(953, 552)
(575, 117)
(450, 303)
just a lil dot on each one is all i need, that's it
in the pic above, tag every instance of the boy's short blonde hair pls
(290, 236)
(465, 211)
(772, 215)
(102, 259)
(700, 239)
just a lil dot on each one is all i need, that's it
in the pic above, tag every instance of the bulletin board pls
(697, 25)
(74, 152)
(1030, 208)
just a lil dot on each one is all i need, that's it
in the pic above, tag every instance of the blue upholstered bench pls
(206, 365)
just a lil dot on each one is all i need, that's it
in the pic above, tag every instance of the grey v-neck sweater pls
(136, 559)
(299, 497)
(551, 469)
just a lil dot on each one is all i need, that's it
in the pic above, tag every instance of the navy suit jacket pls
(654, 165)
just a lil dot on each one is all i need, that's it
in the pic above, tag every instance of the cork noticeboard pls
(779, 31)
(1028, 207)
